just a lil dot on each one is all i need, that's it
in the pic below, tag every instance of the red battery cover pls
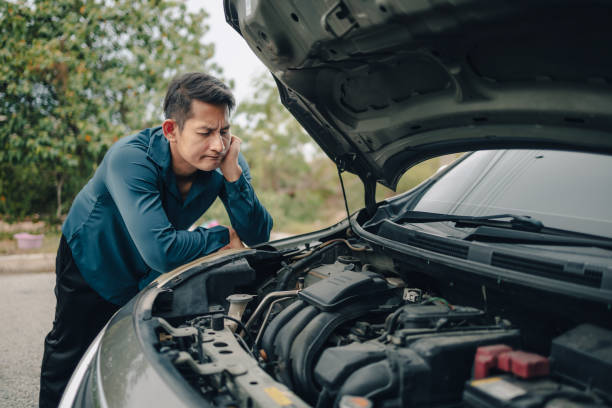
(486, 359)
(523, 364)
(500, 356)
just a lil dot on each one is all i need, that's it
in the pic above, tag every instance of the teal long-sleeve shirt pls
(129, 223)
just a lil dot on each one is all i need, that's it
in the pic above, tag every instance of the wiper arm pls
(516, 228)
(518, 222)
(494, 234)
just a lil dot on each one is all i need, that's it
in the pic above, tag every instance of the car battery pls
(504, 377)
(510, 391)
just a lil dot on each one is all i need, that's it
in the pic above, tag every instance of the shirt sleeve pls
(133, 183)
(248, 216)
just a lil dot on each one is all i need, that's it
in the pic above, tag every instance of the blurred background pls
(75, 76)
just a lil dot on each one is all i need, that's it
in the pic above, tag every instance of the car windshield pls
(568, 190)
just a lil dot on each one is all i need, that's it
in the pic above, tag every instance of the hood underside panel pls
(382, 85)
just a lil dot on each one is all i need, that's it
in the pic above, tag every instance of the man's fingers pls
(235, 143)
(235, 241)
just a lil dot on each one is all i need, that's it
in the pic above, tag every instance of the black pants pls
(80, 313)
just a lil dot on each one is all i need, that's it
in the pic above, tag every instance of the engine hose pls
(269, 297)
(331, 241)
(264, 322)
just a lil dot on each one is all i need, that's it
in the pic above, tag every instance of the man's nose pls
(217, 144)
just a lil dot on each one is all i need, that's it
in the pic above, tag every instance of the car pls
(487, 285)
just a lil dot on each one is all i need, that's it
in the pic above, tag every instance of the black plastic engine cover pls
(267, 341)
(342, 288)
(294, 338)
(284, 340)
(415, 315)
(307, 345)
(338, 363)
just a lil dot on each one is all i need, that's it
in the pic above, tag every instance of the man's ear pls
(170, 129)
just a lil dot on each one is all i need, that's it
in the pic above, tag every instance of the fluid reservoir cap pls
(350, 401)
(239, 298)
(346, 259)
(217, 322)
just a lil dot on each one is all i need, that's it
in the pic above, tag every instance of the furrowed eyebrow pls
(212, 128)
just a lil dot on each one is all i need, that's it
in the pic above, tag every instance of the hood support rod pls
(348, 214)
(369, 186)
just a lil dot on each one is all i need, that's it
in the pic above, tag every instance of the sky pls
(231, 51)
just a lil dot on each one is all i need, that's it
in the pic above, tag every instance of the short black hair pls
(194, 85)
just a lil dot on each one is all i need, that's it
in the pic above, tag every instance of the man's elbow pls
(259, 235)
(159, 261)
(161, 257)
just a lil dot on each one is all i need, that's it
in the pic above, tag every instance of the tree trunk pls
(58, 188)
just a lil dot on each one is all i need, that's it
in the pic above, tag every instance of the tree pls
(293, 178)
(277, 141)
(77, 75)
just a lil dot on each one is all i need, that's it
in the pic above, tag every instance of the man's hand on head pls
(234, 240)
(229, 165)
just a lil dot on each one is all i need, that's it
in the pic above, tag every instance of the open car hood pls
(382, 85)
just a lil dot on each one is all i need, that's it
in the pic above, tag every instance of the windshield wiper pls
(518, 222)
(515, 228)
(495, 234)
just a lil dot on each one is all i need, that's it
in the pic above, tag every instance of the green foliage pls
(77, 75)
(274, 138)
(32, 187)
(292, 177)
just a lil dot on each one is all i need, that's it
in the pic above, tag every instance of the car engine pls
(342, 325)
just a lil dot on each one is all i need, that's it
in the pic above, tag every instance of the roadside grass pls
(52, 234)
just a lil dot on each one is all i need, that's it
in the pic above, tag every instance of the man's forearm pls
(251, 220)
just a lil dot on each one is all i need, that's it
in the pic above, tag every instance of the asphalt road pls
(27, 305)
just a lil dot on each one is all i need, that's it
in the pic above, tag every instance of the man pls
(129, 223)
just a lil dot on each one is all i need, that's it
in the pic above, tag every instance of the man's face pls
(205, 137)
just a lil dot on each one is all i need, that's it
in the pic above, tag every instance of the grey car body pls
(391, 304)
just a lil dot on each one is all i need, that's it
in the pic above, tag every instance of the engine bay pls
(341, 324)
